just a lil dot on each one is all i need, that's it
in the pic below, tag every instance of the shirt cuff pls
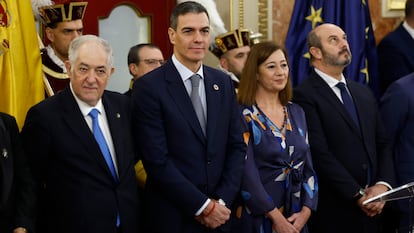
(384, 183)
(203, 207)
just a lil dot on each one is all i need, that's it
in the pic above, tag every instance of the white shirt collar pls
(184, 72)
(331, 81)
(409, 29)
(84, 107)
(232, 75)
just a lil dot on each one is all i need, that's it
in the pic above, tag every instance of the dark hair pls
(248, 81)
(184, 8)
(133, 57)
(313, 40)
(409, 8)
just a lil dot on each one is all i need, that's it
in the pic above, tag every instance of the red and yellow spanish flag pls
(21, 84)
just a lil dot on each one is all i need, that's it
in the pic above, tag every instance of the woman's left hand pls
(299, 219)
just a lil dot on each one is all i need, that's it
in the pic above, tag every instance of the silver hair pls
(79, 41)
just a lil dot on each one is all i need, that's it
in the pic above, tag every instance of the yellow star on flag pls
(315, 16)
(365, 71)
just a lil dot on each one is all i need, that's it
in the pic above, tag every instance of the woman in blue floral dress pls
(279, 189)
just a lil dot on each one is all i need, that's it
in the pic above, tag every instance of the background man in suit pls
(84, 184)
(397, 109)
(194, 172)
(351, 155)
(16, 185)
(143, 58)
(395, 51)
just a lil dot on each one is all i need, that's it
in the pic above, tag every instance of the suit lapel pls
(6, 166)
(178, 93)
(214, 89)
(326, 92)
(76, 123)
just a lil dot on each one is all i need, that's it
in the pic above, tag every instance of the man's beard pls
(335, 60)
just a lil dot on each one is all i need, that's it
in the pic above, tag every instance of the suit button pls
(208, 161)
(364, 166)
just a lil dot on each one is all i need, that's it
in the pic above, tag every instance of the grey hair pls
(79, 41)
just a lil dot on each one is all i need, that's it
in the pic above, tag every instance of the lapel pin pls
(118, 115)
(215, 87)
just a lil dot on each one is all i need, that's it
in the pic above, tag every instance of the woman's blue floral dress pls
(278, 170)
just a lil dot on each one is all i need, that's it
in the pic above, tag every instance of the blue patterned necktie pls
(196, 100)
(100, 139)
(348, 102)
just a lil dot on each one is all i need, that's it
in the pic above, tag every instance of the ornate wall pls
(279, 13)
(282, 11)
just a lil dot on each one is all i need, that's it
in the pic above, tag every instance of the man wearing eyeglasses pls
(143, 58)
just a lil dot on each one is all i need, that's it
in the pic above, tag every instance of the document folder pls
(403, 192)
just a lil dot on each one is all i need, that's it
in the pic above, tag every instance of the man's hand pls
(214, 215)
(373, 208)
(20, 230)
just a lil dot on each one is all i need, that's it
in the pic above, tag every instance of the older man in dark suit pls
(350, 150)
(192, 145)
(80, 149)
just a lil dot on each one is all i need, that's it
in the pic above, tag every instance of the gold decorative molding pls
(231, 14)
(241, 13)
(396, 4)
(263, 17)
(392, 8)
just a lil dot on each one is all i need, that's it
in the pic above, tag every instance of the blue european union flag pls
(354, 18)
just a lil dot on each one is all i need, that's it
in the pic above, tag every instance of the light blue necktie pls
(196, 100)
(100, 139)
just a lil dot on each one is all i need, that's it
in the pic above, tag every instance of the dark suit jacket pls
(345, 158)
(185, 168)
(77, 190)
(16, 185)
(395, 56)
(397, 109)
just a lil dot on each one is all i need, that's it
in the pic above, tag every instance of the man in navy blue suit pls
(397, 109)
(16, 183)
(395, 51)
(194, 172)
(350, 149)
(84, 184)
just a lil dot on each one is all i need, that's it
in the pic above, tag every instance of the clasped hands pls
(214, 215)
(372, 208)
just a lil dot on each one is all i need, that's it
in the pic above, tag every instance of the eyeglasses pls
(153, 62)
